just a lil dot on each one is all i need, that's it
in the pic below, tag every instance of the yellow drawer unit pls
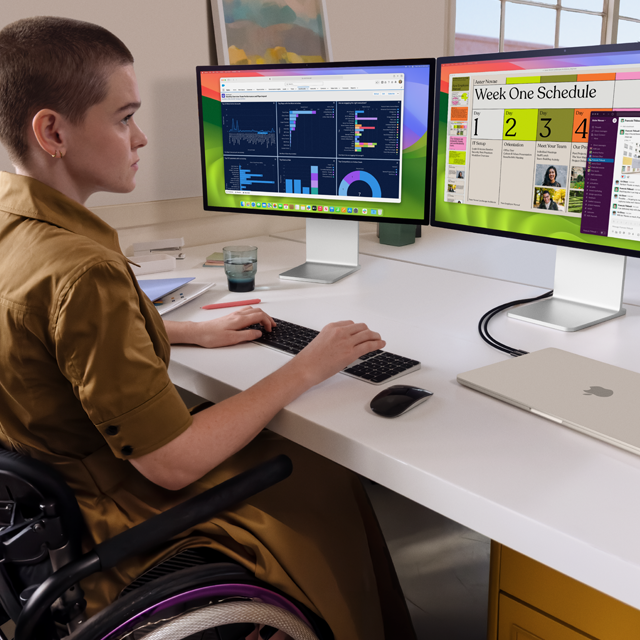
(520, 622)
(530, 601)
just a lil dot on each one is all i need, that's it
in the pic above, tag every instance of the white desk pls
(550, 493)
(500, 258)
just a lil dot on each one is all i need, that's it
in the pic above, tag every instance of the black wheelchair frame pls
(40, 522)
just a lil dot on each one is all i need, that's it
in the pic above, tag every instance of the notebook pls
(584, 394)
(160, 287)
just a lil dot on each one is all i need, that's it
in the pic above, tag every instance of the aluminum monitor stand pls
(588, 290)
(332, 252)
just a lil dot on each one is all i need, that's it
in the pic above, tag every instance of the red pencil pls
(235, 303)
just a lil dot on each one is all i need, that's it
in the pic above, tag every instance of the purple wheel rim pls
(225, 590)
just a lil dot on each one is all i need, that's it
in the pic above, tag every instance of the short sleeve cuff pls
(147, 427)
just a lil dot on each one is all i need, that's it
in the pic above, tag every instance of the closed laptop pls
(595, 398)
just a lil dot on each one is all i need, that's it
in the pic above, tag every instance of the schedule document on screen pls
(519, 139)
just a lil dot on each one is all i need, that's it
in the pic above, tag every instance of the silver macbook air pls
(593, 397)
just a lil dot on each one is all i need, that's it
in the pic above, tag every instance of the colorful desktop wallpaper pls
(563, 228)
(415, 176)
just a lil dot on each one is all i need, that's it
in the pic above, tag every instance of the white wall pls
(168, 40)
(387, 29)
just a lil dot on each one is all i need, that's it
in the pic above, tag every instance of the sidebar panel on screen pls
(612, 181)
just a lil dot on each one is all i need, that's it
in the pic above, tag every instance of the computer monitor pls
(545, 146)
(331, 142)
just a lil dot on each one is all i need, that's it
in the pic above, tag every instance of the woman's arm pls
(220, 332)
(223, 429)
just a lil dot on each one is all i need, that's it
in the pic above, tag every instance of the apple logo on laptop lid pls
(601, 392)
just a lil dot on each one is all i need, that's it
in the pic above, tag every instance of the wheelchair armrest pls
(150, 534)
(200, 508)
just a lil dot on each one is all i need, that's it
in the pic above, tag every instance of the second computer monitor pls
(544, 146)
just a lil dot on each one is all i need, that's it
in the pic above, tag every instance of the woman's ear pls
(48, 128)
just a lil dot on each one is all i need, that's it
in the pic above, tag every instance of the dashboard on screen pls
(334, 140)
(542, 145)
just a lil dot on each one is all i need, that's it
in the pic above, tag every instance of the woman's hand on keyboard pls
(337, 346)
(223, 429)
(220, 332)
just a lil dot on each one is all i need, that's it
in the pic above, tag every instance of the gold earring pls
(53, 155)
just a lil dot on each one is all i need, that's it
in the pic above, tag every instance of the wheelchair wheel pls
(209, 602)
(245, 619)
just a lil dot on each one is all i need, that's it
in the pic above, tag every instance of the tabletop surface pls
(476, 253)
(556, 495)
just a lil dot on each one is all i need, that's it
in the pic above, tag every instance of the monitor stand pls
(587, 290)
(332, 252)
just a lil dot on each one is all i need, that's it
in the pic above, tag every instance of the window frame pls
(559, 11)
(623, 18)
(610, 18)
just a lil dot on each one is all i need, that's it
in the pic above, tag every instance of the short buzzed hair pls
(52, 63)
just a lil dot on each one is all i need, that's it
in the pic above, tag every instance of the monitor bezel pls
(533, 53)
(430, 62)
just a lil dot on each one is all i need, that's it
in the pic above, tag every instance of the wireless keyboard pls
(375, 367)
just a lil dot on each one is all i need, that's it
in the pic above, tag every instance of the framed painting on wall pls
(271, 31)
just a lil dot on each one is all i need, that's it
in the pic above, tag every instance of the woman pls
(550, 178)
(83, 375)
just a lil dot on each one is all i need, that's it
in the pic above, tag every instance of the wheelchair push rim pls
(244, 591)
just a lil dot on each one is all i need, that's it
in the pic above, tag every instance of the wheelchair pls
(198, 594)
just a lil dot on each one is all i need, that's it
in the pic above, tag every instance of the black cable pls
(484, 324)
(488, 338)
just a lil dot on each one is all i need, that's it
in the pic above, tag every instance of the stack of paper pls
(216, 259)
